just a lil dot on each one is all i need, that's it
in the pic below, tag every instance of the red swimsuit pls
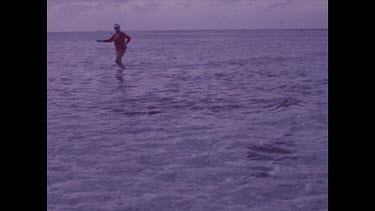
(119, 41)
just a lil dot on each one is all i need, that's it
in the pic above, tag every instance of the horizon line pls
(149, 30)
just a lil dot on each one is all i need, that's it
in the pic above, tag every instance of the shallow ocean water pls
(201, 120)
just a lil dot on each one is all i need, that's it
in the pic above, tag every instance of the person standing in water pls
(121, 41)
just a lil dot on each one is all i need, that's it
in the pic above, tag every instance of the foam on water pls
(201, 120)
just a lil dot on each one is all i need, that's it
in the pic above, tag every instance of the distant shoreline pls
(189, 30)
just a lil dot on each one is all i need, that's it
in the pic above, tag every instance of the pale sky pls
(93, 15)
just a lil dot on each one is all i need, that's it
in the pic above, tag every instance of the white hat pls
(116, 26)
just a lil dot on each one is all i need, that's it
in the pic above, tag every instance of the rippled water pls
(201, 120)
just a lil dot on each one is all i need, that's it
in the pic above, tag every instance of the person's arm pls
(109, 40)
(128, 38)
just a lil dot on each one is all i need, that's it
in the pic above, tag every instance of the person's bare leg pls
(119, 56)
